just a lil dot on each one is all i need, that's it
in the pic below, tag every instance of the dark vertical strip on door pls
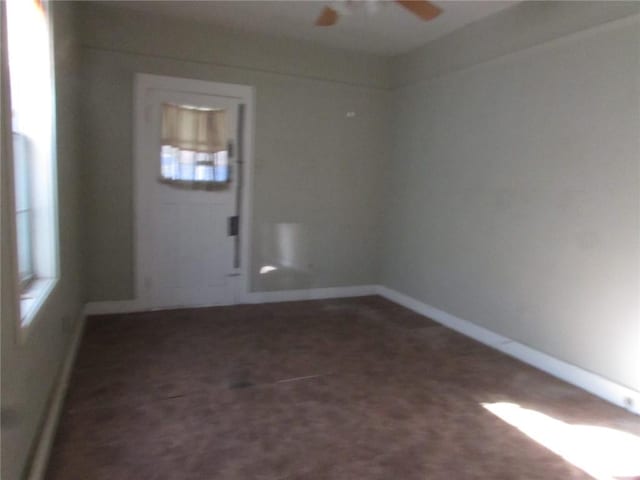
(240, 180)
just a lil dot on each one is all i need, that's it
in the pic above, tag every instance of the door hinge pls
(230, 149)
(233, 226)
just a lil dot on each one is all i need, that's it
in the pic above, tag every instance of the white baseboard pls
(130, 306)
(608, 390)
(38, 466)
(311, 294)
(111, 307)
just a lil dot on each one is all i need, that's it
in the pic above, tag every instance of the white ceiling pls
(388, 31)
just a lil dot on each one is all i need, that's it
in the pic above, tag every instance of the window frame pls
(33, 291)
(24, 281)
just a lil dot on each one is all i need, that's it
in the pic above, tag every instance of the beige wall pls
(313, 165)
(29, 369)
(513, 29)
(506, 191)
(516, 181)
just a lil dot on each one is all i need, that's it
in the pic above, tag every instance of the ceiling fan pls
(423, 9)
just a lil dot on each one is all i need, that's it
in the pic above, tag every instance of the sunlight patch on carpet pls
(604, 453)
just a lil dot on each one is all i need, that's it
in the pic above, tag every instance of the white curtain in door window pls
(194, 145)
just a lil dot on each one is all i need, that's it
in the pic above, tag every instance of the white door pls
(186, 253)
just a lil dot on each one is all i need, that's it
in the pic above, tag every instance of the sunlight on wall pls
(602, 452)
(284, 256)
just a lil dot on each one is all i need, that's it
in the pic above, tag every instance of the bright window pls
(32, 107)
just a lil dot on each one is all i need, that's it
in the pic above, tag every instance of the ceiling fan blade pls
(327, 18)
(421, 8)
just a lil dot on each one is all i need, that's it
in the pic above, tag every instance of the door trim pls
(246, 95)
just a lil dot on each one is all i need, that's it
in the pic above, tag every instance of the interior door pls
(187, 253)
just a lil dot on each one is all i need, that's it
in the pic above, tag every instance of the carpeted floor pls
(336, 389)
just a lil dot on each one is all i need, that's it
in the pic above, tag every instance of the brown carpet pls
(335, 389)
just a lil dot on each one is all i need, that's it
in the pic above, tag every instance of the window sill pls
(32, 299)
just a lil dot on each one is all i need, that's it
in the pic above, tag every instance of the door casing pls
(246, 95)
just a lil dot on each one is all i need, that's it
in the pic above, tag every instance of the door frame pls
(246, 95)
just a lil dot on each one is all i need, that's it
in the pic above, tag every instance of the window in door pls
(194, 146)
